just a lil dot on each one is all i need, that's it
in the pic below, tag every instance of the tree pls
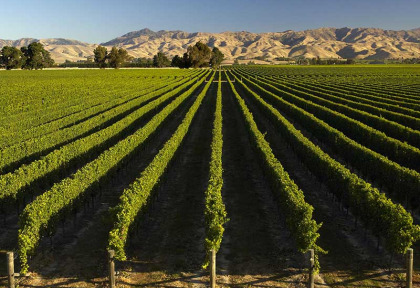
(143, 62)
(177, 62)
(199, 55)
(11, 57)
(117, 56)
(100, 55)
(216, 57)
(36, 56)
(181, 62)
(160, 60)
(186, 60)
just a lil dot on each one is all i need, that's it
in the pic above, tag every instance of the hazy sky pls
(97, 21)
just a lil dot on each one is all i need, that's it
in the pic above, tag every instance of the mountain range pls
(359, 43)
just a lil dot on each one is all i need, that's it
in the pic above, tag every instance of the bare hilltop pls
(358, 43)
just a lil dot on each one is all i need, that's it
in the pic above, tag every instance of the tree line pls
(115, 58)
(33, 56)
(197, 56)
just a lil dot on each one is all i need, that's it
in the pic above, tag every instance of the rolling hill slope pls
(360, 43)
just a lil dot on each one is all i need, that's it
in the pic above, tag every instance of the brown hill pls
(361, 43)
(60, 49)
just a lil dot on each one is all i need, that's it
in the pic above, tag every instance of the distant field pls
(148, 161)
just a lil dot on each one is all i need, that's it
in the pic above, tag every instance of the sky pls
(97, 21)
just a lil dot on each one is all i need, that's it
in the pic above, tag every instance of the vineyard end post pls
(213, 269)
(111, 261)
(409, 274)
(10, 269)
(311, 282)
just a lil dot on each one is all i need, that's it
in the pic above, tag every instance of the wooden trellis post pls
(311, 282)
(111, 262)
(10, 269)
(409, 274)
(213, 269)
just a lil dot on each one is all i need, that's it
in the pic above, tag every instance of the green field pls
(260, 163)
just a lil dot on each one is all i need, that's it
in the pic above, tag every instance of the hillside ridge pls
(345, 42)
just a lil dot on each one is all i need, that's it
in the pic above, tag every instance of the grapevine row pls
(359, 85)
(74, 98)
(36, 146)
(369, 94)
(374, 209)
(135, 197)
(402, 183)
(297, 211)
(12, 185)
(41, 214)
(406, 99)
(35, 117)
(314, 87)
(396, 150)
(390, 128)
(353, 89)
(215, 212)
(68, 90)
(83, 115)
(402, 117)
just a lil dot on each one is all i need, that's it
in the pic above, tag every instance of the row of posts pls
(111, 269)
(409, 266)
(311, 278)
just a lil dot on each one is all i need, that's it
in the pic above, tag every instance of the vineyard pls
(259, 164)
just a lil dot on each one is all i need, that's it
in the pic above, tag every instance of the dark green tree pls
(100, 56)
(36, 56)
(117, 57)
(216, 57)
(143, 62)
(160, 60)
(199, 55)
(11, 57)
(186, 60)
(177, 62)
